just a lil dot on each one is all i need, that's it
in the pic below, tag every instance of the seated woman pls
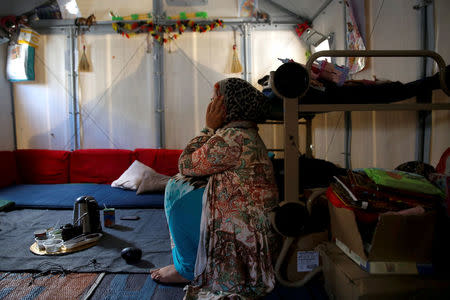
(222, 235)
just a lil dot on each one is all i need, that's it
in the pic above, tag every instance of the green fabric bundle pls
(403, 181)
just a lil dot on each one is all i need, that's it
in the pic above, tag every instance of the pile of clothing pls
(413, 188)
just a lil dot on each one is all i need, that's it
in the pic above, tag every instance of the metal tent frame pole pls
(247, 52)
(347, 114)
(158, 78)
(424, 118)
(73, 87)
(13, 113)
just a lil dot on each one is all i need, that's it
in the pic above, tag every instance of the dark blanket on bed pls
(149, 233)
(64, 195)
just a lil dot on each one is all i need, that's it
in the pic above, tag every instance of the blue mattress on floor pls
(64, 195)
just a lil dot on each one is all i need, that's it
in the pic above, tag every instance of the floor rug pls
(149, 233)
(141, 286)
(73, 286)
(135, 286)
(29, 286)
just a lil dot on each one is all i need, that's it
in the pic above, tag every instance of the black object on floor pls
(133, 218)
(131, 255)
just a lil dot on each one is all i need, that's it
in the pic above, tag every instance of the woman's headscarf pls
(242, 101)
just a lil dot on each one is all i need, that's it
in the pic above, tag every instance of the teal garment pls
(183, 207)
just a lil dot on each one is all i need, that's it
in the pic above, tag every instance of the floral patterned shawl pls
(237, 242)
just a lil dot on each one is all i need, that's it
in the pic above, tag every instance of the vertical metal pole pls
(158, 78)
(344, 10)
(73, 87)
(291, 168)
(13, 116)
(308, 150)
(348, 139)
(424, 122)
(247, 52)
(347, 114)
(332, 43)
(430, 40)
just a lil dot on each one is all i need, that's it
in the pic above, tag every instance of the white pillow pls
(152, 182)
(132, 177)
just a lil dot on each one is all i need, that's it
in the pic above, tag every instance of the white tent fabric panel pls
(328, 140)
(42, 106)
(331, 21)
(393, 133)
(6, 120)
(381, 139)
(302, 8)
(117, 97)
(198, 61)
(191, 68)
(267, 47)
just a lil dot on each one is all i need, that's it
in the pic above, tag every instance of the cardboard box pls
(400, 244)
(304, 245)
(345, 280)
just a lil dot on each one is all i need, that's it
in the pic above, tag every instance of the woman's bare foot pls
(168, 274)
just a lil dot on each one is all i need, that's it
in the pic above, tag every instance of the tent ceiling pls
(18, 7)
(306, 9)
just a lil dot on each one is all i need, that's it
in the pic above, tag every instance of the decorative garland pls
(301, 28)
(158, 32)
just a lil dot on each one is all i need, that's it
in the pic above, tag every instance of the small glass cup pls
(52, 245)
(40, 243)
(41, 234)
(55, 234)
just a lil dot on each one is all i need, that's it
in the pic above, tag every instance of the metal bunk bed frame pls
(292, 108)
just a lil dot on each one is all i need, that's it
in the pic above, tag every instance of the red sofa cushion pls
(37, 166)
(164, 161)
(98, 165)
(8, 171)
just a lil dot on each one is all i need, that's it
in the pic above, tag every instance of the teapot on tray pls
(86, 214)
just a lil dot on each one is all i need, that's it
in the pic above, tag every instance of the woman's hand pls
(215, 113)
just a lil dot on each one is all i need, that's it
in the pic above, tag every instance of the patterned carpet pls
(135, 286)
(60, 286)
(117, 287)
(141, 286)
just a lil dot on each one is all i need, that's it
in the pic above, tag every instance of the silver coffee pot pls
(86, 214)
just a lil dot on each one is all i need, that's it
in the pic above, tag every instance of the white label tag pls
(307, 260)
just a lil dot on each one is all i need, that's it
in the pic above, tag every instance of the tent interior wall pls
(117, 99)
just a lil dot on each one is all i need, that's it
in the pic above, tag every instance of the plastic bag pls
(20, 62)
(29, 37)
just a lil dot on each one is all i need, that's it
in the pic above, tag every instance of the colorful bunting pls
(158, 32)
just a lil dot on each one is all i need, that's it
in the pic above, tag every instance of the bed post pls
(290, 82)
(291, 149)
